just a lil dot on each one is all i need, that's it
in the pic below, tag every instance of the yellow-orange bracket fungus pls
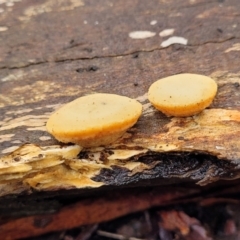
(182, 95)
(94, 120)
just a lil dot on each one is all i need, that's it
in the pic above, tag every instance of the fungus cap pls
(182, 95)
(94, 120)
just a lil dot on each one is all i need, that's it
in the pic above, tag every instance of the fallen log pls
(41, 177)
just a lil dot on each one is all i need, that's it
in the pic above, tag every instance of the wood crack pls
(214, 42)
(115, 55)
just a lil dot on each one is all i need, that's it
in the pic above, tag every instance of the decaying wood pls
(52, 52)
(88, 211)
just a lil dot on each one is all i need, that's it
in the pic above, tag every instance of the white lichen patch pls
(41, 128)
(25, 110)
(28, 121)
(167, 32)
(2, 28)
(16, 141)
(153, 22)
(141, 34)
(19, 75)
(142, 98)
(146, 106)
(235, 47)
(148, 109)
(54, 106)
(10, 149)
(50, 6)
(13, 76)
(174, 40)
(9, 1)
(44, 138)
(220, 147)
(6, 137)
(10, 4)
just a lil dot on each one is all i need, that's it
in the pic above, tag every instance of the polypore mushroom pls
(182, 95)
(94, 120)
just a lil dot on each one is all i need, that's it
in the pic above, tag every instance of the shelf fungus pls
(182, 95)
(94, 120)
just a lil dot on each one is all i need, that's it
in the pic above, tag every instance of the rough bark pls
(52, 52)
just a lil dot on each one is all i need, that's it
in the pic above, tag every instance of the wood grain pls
(52, 52)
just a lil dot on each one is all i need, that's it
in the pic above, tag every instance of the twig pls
(116, 236)
(148, 220)
(87, 232)
(110, 235)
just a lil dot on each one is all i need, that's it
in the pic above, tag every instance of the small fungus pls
(190, 94)
(174, 40)
(2, 29)
(153, 22)
(166, 32)
(88, 122)
(141, 34)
